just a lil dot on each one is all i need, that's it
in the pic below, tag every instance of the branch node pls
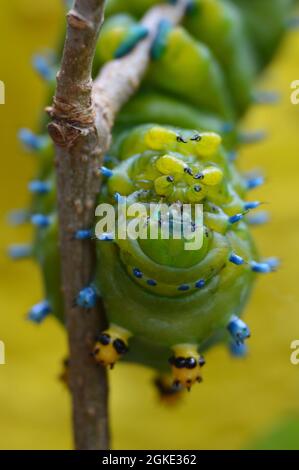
(77, 21)
(64, 135)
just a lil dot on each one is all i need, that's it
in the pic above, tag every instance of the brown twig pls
(81, 125)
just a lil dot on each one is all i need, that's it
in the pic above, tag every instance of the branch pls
(81, 126)
(77, 157)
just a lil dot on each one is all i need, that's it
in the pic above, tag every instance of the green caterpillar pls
(175, 142)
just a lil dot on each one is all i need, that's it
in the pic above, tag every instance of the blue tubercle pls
(251, 205)
(258, 219)
(39, 187)
(255, 182)
(262, 268)
(272, 262)
(235, 218)
(18, 217)
(252, 137)
(106, 172)
(20, 251)
(227, 127)
(232, 155)
(184, 287)
(238, 329)
(151, 282)
(42, 66)
(238, 349)
(200, 284)
(39, 312)
(160, 42)
(119, 198)
(106, 237)
(135, 35)
(84, 234)
(41, 220)
(30, 140)
(266, 97)
(137, 273)
(87, 297)
(236, 259)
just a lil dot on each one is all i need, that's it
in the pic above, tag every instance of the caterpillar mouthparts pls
(175, 143)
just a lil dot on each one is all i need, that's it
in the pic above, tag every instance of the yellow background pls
(239, 400)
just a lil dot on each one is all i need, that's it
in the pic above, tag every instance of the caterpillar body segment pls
(220, 25)
(257, 14)
(181, 52)
(175, 142)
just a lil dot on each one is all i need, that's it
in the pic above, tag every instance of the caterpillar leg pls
(186, 363)
(168, 393)
(111, 345)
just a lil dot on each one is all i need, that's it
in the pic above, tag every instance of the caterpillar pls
(175, 142)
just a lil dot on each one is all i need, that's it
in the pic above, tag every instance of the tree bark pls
(82, 120)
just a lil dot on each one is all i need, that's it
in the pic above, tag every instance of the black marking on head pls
(188, 171)
(201, 361)
(190, 362)
(180, 362)
(170, 179)
(196, 137)
(120, 346)
(104, 339)
(179, 138)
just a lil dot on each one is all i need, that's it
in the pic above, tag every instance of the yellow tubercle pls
(196, 193)
(120, 183)
(217, 222)
(207, 144)
(163, 185)
(160, 138)
(111, 345)
(212, 175)
(168, 165)
(185, 365)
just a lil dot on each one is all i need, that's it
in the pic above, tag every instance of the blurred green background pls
(242, 403)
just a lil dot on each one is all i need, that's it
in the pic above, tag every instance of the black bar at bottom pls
(135, 459)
